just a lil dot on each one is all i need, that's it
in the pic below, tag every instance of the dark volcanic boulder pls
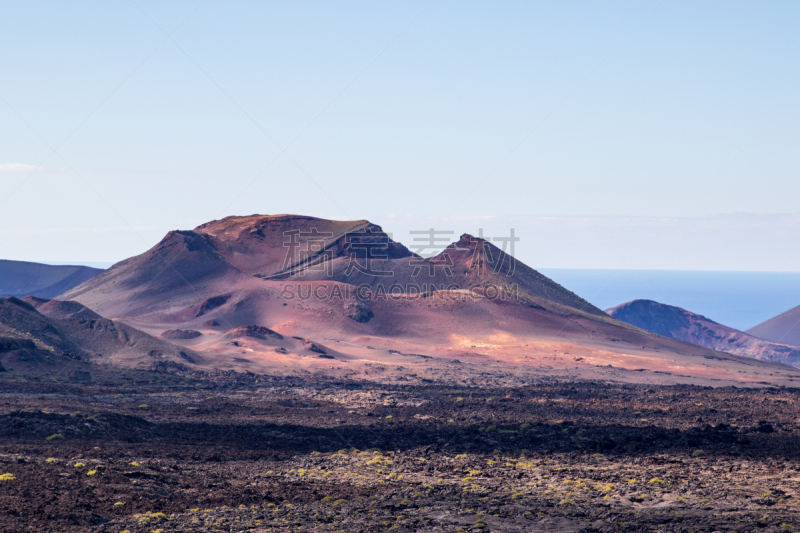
(258, 332)
(180, 334)
(213, 303)
(358, 310)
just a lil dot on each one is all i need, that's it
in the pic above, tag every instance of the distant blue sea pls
(740, 300)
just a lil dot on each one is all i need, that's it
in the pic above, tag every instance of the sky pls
(620, 135)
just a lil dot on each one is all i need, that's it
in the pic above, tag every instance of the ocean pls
(740, 300)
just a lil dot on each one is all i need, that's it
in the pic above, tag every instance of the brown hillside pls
(469, 310)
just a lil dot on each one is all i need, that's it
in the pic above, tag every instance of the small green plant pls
(91, 472)
(698, 453)
(55, 436)
(117, 504)
(79, 465)
(143, 406)
(657, 481)
(461, 456)
(133, 463)
(51, 460)
(7, 477)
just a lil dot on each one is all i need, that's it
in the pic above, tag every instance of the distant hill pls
(784, 328)
(676, 323)
(21, 278)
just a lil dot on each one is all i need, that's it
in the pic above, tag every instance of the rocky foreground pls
(201, 454)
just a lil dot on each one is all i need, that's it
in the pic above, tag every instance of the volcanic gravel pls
(250, 453)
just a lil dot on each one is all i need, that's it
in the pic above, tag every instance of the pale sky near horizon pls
(649, 135)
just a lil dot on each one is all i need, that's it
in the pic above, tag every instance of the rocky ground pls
(164, 453)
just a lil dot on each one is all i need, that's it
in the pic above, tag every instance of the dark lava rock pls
(184, 334)
(213, 303)
(764, 427)
(81, 376)
(358, 310)
(9, 344)
(316, 348)
(258, 332)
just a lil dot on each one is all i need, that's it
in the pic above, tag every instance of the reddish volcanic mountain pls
(784, 328)
(344, 298)
(680, 324)
(305, 249)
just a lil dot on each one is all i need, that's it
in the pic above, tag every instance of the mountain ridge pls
(783, 328)
(680, 324)
(24, 278)
(346, 298)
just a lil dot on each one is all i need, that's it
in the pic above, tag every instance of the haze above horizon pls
(656, 135)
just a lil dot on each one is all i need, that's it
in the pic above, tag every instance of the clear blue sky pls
(610, 134)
